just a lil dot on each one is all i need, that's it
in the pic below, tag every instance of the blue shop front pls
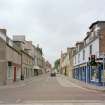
(90, 74)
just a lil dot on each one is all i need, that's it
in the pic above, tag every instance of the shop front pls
(13, 72)
(90, 74)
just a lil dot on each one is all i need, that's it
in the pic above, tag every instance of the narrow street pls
(49, 89)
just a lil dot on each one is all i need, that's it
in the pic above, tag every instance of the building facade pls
(3, 61)
(19, 59)
(10, 60)
(34, 51)
(91, 49)
(66, 62)
(62, 63)
(39, 60)
(27, 57)
(48, 66)
(13, 58)
(27, 65)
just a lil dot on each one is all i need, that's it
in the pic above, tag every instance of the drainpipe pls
(86, 73)
(21, 67)
(103, 67)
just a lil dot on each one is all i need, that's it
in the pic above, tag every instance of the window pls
(78, 58)
(75, 59)
(90, 49)
(83, 54)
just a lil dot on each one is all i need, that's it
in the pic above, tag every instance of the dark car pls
(53, 74)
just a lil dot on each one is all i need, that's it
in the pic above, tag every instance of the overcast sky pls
(53, 24)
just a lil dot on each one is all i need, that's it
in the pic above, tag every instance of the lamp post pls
(103, 69)
(102, 55)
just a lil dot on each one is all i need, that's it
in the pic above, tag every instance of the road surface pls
(50, 89)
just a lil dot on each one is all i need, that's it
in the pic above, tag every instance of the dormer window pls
(97, 28)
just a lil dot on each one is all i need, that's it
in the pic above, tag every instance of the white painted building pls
(83, 56)
(93, 44)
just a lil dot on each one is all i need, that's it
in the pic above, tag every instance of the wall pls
(102, 41)
(27, 65)
(3, 62)
(95, 50)
(13, 71)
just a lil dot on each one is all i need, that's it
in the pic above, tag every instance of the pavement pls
(47, 90)
(19, 83)
(85, 85)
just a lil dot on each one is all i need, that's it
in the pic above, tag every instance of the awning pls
(36, 67)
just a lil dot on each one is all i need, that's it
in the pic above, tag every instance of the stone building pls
(67, 62)
(27, 65)
(48, 66)
(19, 59)
(62, 63)
(27, 55)
(39, 61)
(34, 51)
(3, 62)
(10, 60)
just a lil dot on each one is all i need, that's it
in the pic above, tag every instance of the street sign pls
(100, 60)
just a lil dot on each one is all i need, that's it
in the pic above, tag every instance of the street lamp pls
(102, 60)
(103, 69)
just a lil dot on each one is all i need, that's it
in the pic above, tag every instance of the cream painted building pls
(66, 62)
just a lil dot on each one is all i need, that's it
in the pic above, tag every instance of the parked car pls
(53, 74)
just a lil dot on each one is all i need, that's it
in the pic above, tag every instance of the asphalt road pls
(49, 89)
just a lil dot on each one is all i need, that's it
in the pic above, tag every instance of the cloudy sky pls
(53, 24)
